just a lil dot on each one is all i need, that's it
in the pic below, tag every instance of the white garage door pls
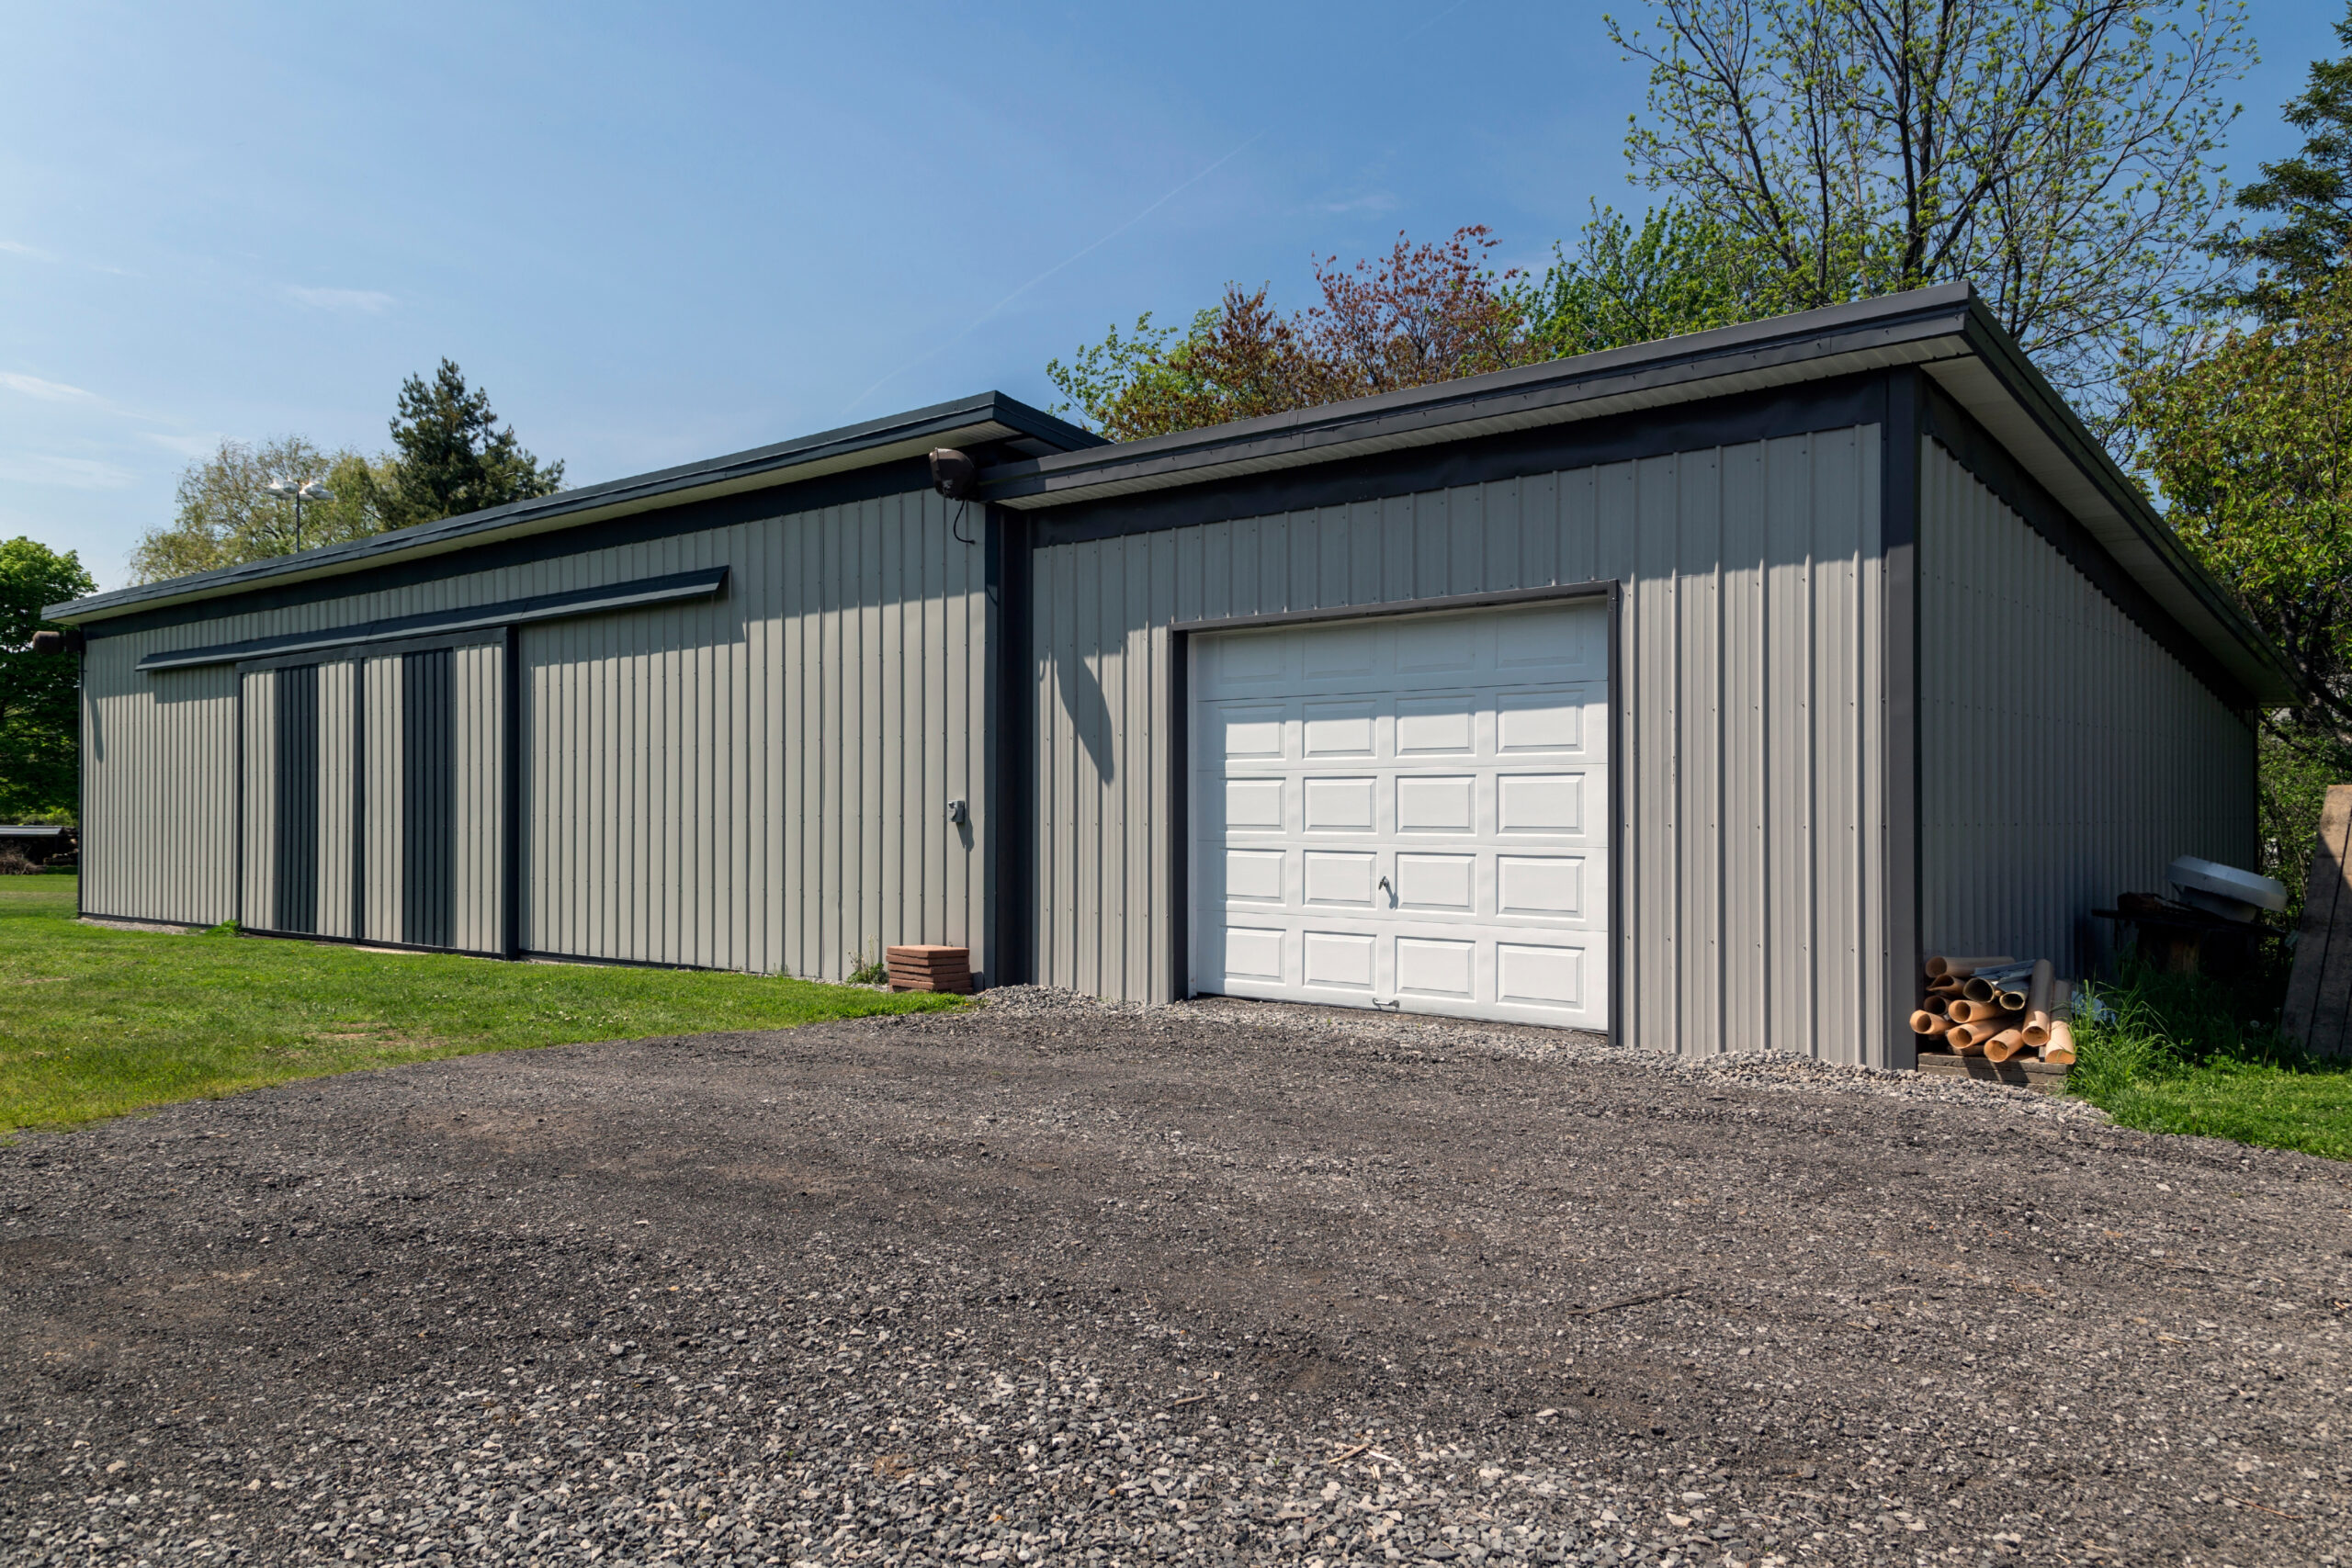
(1406, 811)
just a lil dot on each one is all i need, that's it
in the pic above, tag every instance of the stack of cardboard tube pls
(1998, 1007)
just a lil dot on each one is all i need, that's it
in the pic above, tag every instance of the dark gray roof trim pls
(1872, 334)
(990, 416)
(646, 590)
(1945, 329)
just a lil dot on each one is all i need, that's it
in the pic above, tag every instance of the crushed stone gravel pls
(1755, 1068)
(1046, 1280)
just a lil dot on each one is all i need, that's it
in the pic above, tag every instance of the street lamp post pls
(308, 489)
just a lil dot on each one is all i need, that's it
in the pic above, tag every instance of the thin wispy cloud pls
(47, 392)
(1371, 201)
(185, 446)
(101, 476)
(34, 253)
(65, 473)
(358, 301)
(1073, 259)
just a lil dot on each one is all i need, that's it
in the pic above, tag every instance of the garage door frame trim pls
(1180, 707)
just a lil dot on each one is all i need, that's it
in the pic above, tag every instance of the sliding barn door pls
(375, 799)
(298, 805)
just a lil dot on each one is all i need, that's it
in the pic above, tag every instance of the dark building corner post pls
(1010, 863)
(1177, 749)
(510, 900)
(1899, 544)
(83, 729)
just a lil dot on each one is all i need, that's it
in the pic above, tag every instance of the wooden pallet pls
(930, 968)
(2049, 1077)
(2319, 992)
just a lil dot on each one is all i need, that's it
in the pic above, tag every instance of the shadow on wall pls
(1081, 695)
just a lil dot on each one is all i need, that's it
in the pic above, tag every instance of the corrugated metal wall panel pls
(294, 800)
(762, 781)
(159, 759)
(2064, 756)
(1749, 827)
(482, 798)
(338, 738)
(381, 763)
(259, 881)
(757, 782)
(428, 806)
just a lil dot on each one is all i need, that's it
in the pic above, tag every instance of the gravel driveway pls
(1049, 1282)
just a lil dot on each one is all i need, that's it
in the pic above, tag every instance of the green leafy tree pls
(1679, 272)
(227, 516)
(39, 697)
(1422, 313)
(452, 457)
(2053, 152)
(2308, 197)
(2246, 430)
(1238, 360)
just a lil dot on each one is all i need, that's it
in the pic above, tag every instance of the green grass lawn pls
(2188, 1054)
(95, 1022)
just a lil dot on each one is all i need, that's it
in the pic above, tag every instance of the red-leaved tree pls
(1423, 314)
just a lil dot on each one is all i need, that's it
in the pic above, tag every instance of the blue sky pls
(656, 234)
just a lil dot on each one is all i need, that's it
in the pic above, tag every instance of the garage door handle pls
(1390, 891)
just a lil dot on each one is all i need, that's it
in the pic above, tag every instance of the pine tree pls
(2309, 197)
(453, 457)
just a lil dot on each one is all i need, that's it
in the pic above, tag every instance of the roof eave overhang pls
(1814, 345)
(2001, 390)
(1945, 331)
(971, 422)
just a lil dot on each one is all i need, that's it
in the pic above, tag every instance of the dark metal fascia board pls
(1923, 324)
(576, 602)
(1014, 414)
(988, 416)
(2063, 429)
(1473, 455)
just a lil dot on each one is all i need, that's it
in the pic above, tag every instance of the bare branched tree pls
(2053, 152)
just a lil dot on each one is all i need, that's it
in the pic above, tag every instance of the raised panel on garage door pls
(1406, 811)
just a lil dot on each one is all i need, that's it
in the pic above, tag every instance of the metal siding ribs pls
(1751, 828)
(297, 817)
(756, 779)
(760, 782)
(382, 792)
(2064, 756)
(428, 798)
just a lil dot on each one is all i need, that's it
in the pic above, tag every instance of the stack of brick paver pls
(927, 968)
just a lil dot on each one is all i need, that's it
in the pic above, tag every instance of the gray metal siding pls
(338, 743)
(2064, 756)
(258, 907)
(756, 782)
(159, 764)
(1751, 831)
(383, 766)
(479, 820)
(295, 808)
(760, 782)
(428, 803)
